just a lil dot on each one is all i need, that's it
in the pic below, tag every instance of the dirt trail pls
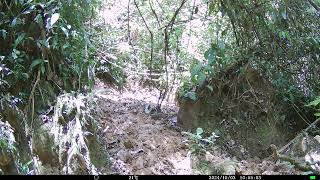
(141, 141)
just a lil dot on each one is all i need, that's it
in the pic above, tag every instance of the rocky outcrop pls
(14, 149)
(64, 140)
(67, 142)
(7, 140)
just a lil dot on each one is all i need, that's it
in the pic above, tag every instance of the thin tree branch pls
(129, 41)
(175, 15)
(161, 9)
(151, 36)
(154, 13)
(166, 50)
(314, 5)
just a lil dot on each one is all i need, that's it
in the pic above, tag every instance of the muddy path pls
(142, 141)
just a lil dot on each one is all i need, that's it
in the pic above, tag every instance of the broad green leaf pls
(43, 43)
(198, 137)
(199, 131)
(196, 69)
(15, 53)
(46, 43)
(315, 102)
(282, 34)
(221, 45)
(201, 78)
(66, 45)
(28, 163)
(65, 31)
(19, 39)
(19, 60)
(3, 33)
(210, 88)
(35, 63)
(210, 55)
(14, 22)
(25, 75)
(317, 114)
(191, 95)
(32, 7)
(54, 18)
(279, 51)
(38, 19)
(284, 14)
(43, 70)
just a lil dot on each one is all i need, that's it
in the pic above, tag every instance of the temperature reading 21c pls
(133, 177)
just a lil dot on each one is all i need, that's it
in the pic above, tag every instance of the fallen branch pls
(298, 136)
(302, 166)
(295, 162)
(314, 5)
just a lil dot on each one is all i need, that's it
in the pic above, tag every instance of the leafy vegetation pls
(40, 43)
(194, 49)
(315, 104)
(198, 142)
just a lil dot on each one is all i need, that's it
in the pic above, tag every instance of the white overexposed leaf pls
(54, 18)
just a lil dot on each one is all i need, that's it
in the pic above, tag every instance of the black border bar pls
(163, 177)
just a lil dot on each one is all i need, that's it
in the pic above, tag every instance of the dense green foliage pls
(278, 38)
(316, 104)
(45, 48)
(49, 47)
